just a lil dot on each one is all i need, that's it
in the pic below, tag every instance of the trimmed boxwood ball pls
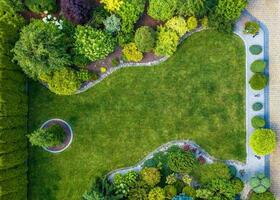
(260, 183)
(262, 196)
(145, 38)
(257, 106)
(258, 122)
(258, 66)
(258, 81)
(255, 49)
(263, 141)
(251, 28)
(150, 175)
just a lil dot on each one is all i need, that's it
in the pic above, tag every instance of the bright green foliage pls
(39, 6)
(191, 8)
(260, 183)
(252, 28)
(177, 24)
(258, 122)
(263, 141)
(258, 66)
(123, 183)
(182, 161)
(162, 10)
(150, 175)
(130, 12)
(112, 24)
(145, 38)
(49, 137)
(204, 22)
(131, 53)
(92, 43)
(171, 179)
(255, 49)
(257, 106)
(262, 196)
(237, 185)
(62, 82)
(192, 23)
(206, 173)
(230, 9)
(222, 189)
(167, 41)
(112, 5)
(189, 190)
(42, 48)
(258, 81)
(170, 191)
(204, 193)
(156, 193)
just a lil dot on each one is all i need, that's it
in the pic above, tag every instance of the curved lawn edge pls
(91, 84)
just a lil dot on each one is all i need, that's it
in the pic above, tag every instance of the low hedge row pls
(13, 108)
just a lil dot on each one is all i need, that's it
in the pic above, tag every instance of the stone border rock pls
(68, 131)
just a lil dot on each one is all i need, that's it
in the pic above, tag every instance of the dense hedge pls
(13, 108)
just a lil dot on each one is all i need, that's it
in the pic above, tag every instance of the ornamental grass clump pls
(263, 141)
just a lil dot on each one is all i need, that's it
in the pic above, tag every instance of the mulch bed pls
(66, 130)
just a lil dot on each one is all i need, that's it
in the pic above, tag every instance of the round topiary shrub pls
(170, 191)
(263, 141)
(189, 190)
(255, 49)
(260, 183)
(258, 66)
(156, 193)
(258, 81)
(258, 122)
(39, 6)
(138, 193)
(262, 196)
(150, 175)
(252, 28)
(237, 185)
(257, 106)
(145, 38)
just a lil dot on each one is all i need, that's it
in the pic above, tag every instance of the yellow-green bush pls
(131, 53)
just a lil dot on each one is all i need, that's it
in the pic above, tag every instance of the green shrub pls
(12, 146)
(204, 22)
(260, 183)
(150, 175)
(263, 141)
(123, 183)
(145, 38)
(92, 43)
(125, 38)
(258, 122)
(171, 179)
(13, 172)
(99, 15)
(13, 135)
(230, 9)
(39, 6)
(255, 49)
(138, 193)
(62, 82)
(206, 173)
(177, 24)
(131, 53)
(112, 24)
(170, 191)
(187, 179)
(159, 160)
(258, 66)
(13, 185)
(112, 5)
(237, 185)
(252, 28)
(258, 81)
(204, 193)
(93, 195)
(257, 106)
(156, 193)
(262, 196)
(162, 10)
(222, 189)
(189, 190)
(192, 23)
(181, 161)
(191, 8)
(167, 41)
(49, 137)
(13, 159)
(220, 24)
(42, 48)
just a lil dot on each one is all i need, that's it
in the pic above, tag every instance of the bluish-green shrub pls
(257, 106)
(255, 49)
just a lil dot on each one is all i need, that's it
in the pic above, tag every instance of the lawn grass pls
(198, 94)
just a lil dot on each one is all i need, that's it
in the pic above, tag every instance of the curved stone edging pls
(198, 152)
(70, 132)
(131, 64)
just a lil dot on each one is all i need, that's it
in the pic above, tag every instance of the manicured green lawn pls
(198, 94)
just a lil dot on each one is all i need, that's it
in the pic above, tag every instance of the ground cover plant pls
(135, 110)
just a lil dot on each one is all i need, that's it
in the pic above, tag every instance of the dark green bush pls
(191, 8)
(145, 38)
(237, 185)
(13, 172)
(257, 106)
(252, 28)
(189, 190)
(258, 122)
(162, 10)
(138, 193)
(258, 81)
(13, 185)
(13, 159)
(12, 146)
(13, 135)
(263, 196)
(255, 49)
(181, 161)
(16, 77)
(258, 66)
(98, 16)
(232, 171)
(39, 6)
